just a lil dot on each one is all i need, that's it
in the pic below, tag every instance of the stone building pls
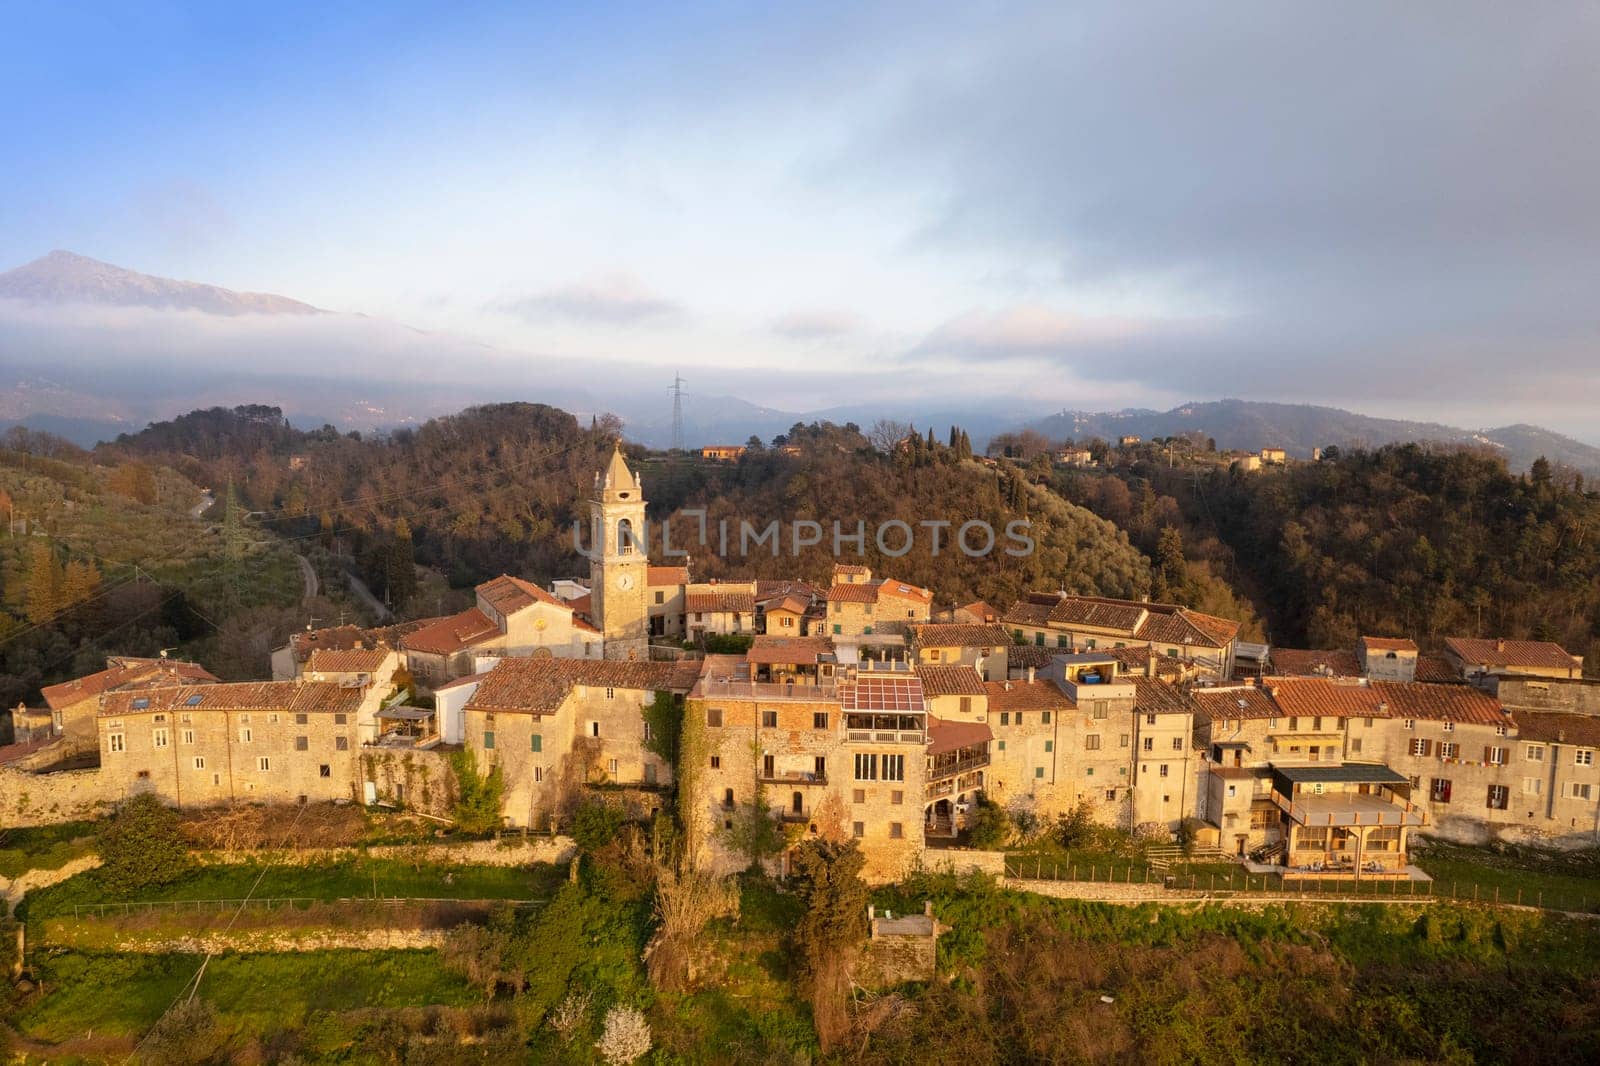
(837, 760)
(1472, 770)
(1478, 660)
(1092, 623)
(619, 563)
(860, 605)
(254, 741)
(74, 704)
(981, 646)
(556, 727)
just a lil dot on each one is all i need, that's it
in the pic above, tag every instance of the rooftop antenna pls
(677, 411)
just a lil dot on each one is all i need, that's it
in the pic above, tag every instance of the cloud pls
(612, 299)
(817, 323)
(1344, 194)
(1025, 331)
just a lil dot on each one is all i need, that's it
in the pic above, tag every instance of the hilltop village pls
(850, 705)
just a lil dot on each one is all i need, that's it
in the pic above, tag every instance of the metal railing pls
(972, 762)
(712, 688)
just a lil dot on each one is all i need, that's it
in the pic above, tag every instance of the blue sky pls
(1387, 208)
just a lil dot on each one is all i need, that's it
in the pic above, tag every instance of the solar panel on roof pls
(195, 700)
(141, 703)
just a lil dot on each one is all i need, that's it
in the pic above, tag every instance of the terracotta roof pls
(1164, 623)
(948, 635)
(297, 697)
(1179, 625)
(1155, 696)
(980, 610)
(1027, 613)
(894, 692)
(1527, 654)
(1383, 699)
(135, 674)
(852, 594)
(1297, 662)
(769, 649)
(1136, 659)
(331, 661)
(946, 736)
(1579, 729)
(951, 681)
(456, 632)
(667, 575)
(731, 601)
(1026, 696)
(508, 595)
(1438, 669)
(582, 604)
(1314, 696)
(1389, 644)
(303, 643)
(1448, 703)
(1217, 704)
(1100, 614)
(851, 568)
(794, 603)
(538, 686)
(899, 590)
(1026, 655)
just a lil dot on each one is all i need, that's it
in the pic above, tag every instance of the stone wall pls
(509, 851)
(420, 779)
(28, 799)
(1574, 696)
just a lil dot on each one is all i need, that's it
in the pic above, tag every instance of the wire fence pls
(1241, 882)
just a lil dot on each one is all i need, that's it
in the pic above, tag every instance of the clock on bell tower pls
(619, 566)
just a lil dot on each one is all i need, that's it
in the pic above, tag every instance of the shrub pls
(1076, 828)
(595, 824)
(988, 826)
(141, 847)
(477, 808)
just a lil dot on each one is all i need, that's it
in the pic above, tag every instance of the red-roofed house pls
(1093, 622)
(74, 704)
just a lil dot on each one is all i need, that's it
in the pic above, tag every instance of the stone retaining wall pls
(964, 861)
(511, 851)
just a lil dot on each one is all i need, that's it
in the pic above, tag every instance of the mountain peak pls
(64, 277)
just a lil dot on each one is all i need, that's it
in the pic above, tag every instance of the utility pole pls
(677, 411)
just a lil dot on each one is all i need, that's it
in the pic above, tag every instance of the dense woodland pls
(497, 489)
(1409, 540)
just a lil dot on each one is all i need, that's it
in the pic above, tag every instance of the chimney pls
(927, 907)
(1008, 686)
(1030, 675)
(1150, 665)
(1500, 644)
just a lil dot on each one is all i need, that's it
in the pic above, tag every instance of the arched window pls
(625, 541)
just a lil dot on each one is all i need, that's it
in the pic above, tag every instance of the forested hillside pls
(838, 477)
(99, 558)
(497, 488)
(1402, 540)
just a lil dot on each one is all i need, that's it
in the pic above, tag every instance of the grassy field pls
(1564, 881)
(47, 847)
(353, 879)
(123, 995)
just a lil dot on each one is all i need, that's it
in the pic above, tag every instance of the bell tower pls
(619, 568)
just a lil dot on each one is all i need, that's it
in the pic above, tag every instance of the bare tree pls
(886, 433)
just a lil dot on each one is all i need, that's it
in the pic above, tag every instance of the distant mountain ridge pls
(1298, 428)
(65, 277)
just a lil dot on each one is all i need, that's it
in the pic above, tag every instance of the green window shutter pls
(538, 742)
